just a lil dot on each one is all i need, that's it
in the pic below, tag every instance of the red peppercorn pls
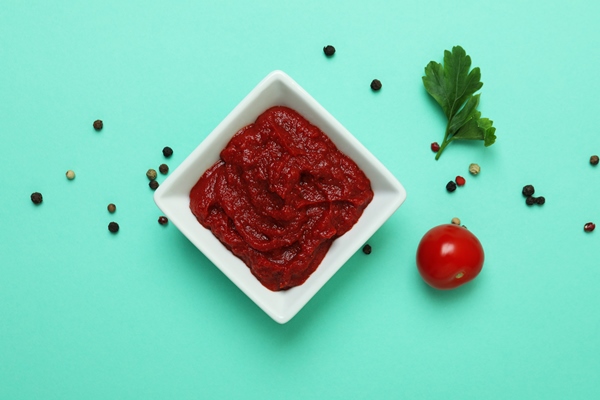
(435, 147)
(460, 181)
(163, 220)
(590, 226)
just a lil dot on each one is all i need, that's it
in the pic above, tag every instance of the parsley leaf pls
(453, 86)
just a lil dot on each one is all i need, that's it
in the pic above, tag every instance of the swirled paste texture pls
(279, 196)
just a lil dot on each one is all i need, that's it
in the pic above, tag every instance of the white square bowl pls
(172, 197)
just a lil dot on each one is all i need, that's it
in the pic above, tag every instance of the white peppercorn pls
(70, 175)
(151, 174)
(474, 169)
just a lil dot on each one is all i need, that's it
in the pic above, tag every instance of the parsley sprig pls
(453, 86)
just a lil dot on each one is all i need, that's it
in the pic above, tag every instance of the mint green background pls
(144, 315)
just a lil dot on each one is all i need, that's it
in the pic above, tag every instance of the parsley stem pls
(445, 143)
(442, 147)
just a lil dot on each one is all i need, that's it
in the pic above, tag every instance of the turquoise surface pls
(144, 315)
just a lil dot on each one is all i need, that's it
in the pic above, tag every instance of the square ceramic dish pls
(172, 197)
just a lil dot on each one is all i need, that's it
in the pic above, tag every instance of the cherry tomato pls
(449, 256)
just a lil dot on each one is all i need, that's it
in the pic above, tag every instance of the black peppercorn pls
(167, 152)
(163, 168)
(540, 200)
(451, 186)
(37, 198)
(367, 249)
(163, 220)
(98, 124)
(530, 200)
(528, 190)
(376, 84)
(153, 185)
(329, 50)
(594, 160)
(113, 227)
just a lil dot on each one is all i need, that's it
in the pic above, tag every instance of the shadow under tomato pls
(445, 297)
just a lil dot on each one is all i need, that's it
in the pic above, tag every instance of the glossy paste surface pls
(279, 196)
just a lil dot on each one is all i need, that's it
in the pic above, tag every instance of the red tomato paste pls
(279, 196)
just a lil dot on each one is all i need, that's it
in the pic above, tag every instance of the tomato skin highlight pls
(449, 256)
